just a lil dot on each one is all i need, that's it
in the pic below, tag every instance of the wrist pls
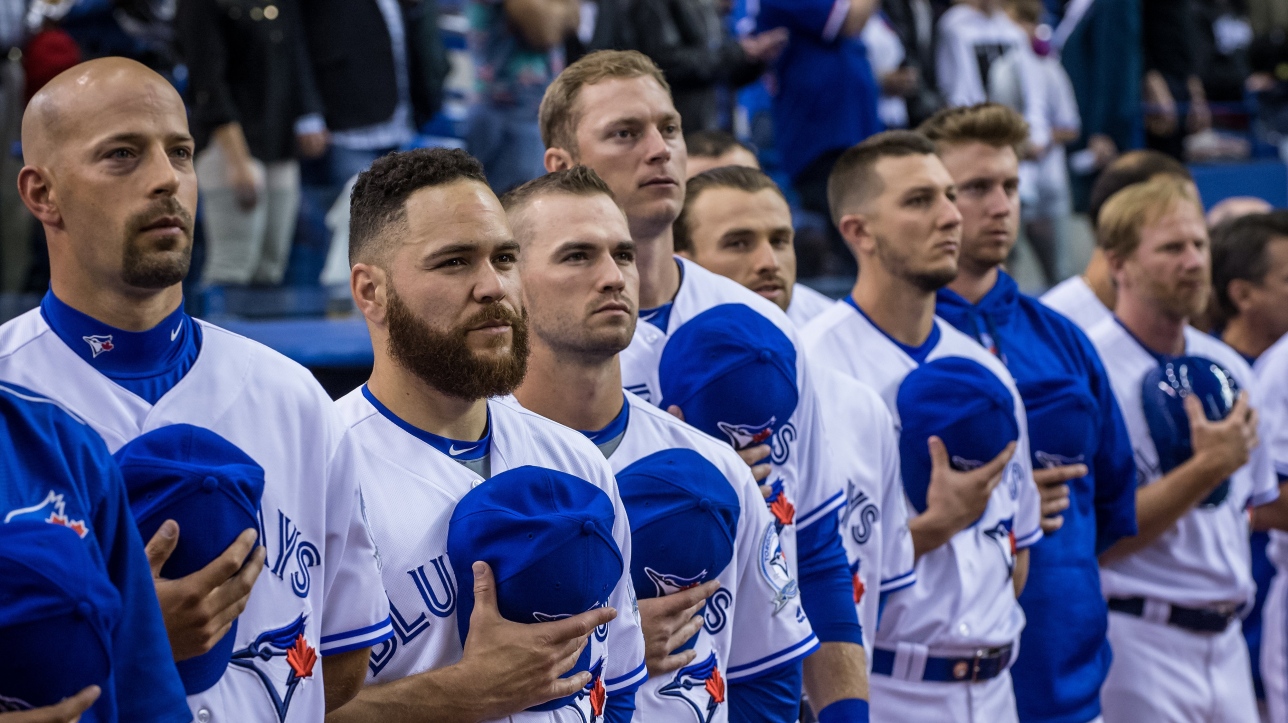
(1213, 466)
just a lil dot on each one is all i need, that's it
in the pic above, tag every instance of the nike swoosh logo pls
(175, 334)
(649, 316)
(456, 452)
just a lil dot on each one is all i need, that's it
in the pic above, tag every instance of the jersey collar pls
(461, 451)
(119, 353)
(1160, 358)
(615, 428)
(918, 353)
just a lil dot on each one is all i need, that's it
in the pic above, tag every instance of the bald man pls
(109, 174)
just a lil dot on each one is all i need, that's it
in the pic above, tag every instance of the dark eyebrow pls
(142, 139)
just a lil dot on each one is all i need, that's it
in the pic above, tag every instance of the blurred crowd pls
(290, 99)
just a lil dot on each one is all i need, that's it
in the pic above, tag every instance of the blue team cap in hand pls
(212, 489)
(733, 374)
(1163, 391)
(962, 403)
(548, 537)
(684, 519)
(58, 613)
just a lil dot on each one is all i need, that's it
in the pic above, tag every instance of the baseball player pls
(1249, 257)
(580, 285)
(58, 472)
(1088, 299)
(1082, 459)
(1176, 589)
(945, 644)
(109, 175)
(434, 273)
(717, 149)
(612, 111)
(1270, 367)
(736, 222)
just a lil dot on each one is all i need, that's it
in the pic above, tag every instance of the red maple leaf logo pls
(301, 658)
(716, 686)
(77, 526)
(1011, 536)
(597, 697)
(783, 510)
(761, 436)
(108, 346)
(858, 590)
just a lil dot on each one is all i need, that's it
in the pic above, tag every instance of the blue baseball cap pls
(961, 402)
(733, 373)
(58, 613)
(212, 489)
(548, 537)
(1063, 417)
(1163, 391)
(684, 520)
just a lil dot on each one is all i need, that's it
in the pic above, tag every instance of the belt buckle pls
(968, 671)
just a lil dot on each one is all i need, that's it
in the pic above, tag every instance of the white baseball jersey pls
(964, 597)
(411, 489)
(806, 304)
(754, 622)
(1204, 559)
(799, 455)
(319, 592)
(1271, 369)
(874, 523)
(1074, 298)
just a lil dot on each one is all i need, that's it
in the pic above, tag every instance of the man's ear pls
(856, 233)
(38, 196)
(557, 159)
(369, 285)
(1240, 292)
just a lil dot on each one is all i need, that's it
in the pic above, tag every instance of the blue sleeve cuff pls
(827, 589)
(361, 638)
(772, 697)
(850, 710)
(620, 707)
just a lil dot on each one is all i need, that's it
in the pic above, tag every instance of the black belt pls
(985, 665)
(1194, 619)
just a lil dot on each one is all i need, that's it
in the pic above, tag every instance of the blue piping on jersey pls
(467, 451)
(918, 353)
(614, 428)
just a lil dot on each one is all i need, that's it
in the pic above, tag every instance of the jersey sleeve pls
(1274, 411)
(818, 19)
(1114, 465)
(821, 490)
(1265, 480)
(355, 607)
(625, 671)
(898, 559)
(1028, 513)
(769, 625)
(147, 683)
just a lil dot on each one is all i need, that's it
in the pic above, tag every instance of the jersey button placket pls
(203, 716)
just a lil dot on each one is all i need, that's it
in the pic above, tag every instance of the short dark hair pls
(992, 124)
(713, 144)
(1239, 252)
(380, 194)
(751, 180)
(852, 179)
(1128, 170)
(575, 181)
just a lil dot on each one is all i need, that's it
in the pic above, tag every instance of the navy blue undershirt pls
(459, 450)
(918, 353)
(147, 363)
(660, 316)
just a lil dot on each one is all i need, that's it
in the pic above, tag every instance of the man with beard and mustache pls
(1078, 440)
(893, 201)
(1176, 588)
(434, 272)
(612, 112)
(580, 286)
(109, 175)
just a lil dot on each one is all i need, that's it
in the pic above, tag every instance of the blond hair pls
(559, 116)
(989, 123)
(1140, 205)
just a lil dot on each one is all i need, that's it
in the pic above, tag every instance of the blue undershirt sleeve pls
(772, 697)
(620, 707)
(827, 590)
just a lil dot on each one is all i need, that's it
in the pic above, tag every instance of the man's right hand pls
(1223, 446)
(68, 711)
(509, 666)
(1054, 493)
(668, 622)
(954, 499)
(200, 608)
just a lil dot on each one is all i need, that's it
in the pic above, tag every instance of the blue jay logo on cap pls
(1003, 533)
(52, 509)
(13, 705)
(99, 343)
(1049, 460)
(279, 655)
(667, 584)
(773, 567)
(700, 685)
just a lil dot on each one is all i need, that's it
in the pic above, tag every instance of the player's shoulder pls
(828, 322)
(353, 409)
(37, 409)
(668, 431)
(1198, 343)
(20, 331)
(1273, 362)
(806, 304)
(278, 375)
(526, 437)
(702, 289)
(1056, 323)
(859, 400)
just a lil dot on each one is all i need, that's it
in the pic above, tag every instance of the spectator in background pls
(518, 47)
(914, 22)
(249, 84)
(379, 67)
(1172, 84)
(973, 35)
(690, 42)
(825, 100)
(1224, 35)
(15, 223)
(897, 80)
(717, 149)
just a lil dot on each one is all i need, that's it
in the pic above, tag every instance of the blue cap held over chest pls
(1163, 392)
